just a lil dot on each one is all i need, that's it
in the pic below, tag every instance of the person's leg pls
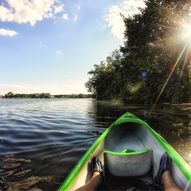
(164, 177)
(97, 176)
(93, 183)
(168, 182)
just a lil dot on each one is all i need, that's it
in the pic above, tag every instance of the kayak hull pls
(129, 140)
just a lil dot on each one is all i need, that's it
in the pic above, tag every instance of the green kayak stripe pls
(127, 153)
(126, 118)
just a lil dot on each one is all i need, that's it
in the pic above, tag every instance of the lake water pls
(42, 139)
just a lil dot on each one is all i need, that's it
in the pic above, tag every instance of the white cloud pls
(65, 16)
(78, 7)
(58, 9)
(7, 32)
(75, 18)
(29, 11)
(113, 16)
(59, 52)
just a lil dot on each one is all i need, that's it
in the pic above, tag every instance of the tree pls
(153, 45)
(105, 79)
(9, 95)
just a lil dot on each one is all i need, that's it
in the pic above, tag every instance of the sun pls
(186, 31)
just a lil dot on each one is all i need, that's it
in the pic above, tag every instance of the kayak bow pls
(129, 139)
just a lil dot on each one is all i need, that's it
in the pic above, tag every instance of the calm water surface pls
(41, 140)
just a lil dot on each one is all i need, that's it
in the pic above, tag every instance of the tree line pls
(155, 56)
(34, 95)
(45, 95)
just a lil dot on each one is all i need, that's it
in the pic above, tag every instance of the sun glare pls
(186, 31)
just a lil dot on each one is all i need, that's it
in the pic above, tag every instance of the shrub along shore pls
(46, 95)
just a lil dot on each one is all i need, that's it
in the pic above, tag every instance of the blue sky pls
(50, 45)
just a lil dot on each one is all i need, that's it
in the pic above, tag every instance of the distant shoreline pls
(11, 95)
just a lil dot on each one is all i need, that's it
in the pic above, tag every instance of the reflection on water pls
(42, 140)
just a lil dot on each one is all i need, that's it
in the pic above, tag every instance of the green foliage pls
(46, 95)
(35, 95)
(152, 45)
(73, 96)
(106, 78)
(9, 95)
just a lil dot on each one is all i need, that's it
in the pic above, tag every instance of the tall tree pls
(155, 56)
(105, 81)
(153, 43)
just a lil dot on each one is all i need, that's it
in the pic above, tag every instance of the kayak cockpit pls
(125, 154)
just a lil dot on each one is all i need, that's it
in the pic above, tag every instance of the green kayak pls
(129, 148)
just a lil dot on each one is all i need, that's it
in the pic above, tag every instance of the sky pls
(50, 45)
